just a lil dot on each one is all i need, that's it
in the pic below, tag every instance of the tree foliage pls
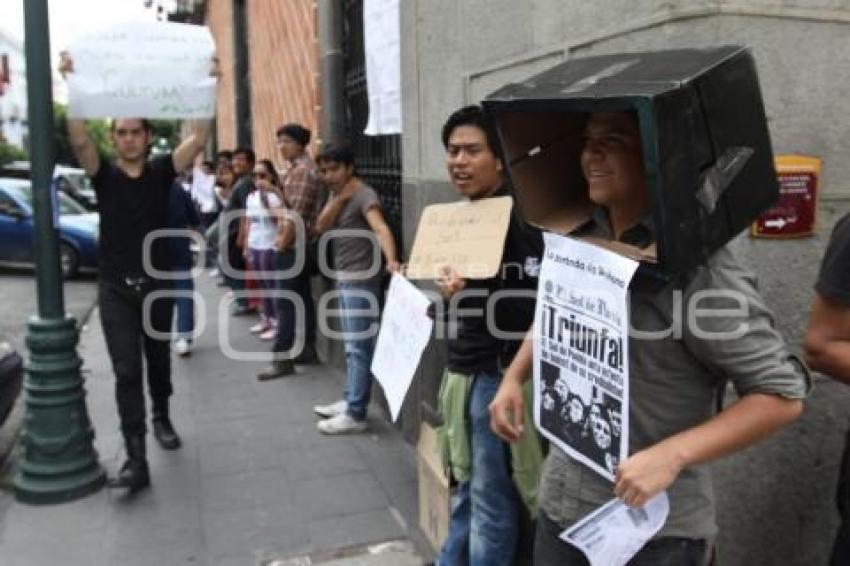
(167, 129)
(99, 131)
(9, 153)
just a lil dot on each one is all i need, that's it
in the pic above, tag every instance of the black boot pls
(278, 368)
(134, 474)
(163, 430)
(308, 356)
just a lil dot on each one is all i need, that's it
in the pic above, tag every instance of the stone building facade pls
(775, 500)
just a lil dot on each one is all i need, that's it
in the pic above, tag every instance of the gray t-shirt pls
(356, 252)
(673, 382)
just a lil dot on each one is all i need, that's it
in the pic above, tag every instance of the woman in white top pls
(261, 208)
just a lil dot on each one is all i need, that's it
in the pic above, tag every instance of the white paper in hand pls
(614, 533)
(142, 70)
(405, 331)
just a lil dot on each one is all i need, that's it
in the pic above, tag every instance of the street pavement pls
(19, 301)
(254, 483)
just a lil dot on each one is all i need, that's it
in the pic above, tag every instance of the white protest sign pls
(581, 356)
(405, 331)
(614, 533)
(142, 70)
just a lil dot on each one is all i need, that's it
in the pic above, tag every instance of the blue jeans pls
(360, 315)
(185, 309)
(455, 550)
(486, 509)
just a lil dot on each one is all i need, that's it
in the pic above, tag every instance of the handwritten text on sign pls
(142, 70)
(468, 236)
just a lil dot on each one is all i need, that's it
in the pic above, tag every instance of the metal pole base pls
(57, 461)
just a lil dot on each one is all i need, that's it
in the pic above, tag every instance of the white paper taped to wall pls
(381, 26)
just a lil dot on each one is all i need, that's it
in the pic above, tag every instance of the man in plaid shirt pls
(303, 196)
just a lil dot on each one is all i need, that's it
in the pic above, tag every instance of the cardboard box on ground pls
(706, 148)
(434, 489)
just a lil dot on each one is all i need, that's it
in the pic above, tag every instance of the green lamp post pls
(58, 461)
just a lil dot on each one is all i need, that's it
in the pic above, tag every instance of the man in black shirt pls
(484, 527)
(133, 197)
(827, 347)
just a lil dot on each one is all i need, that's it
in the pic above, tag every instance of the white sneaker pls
(332, 410)
(182, 347)
(341, 424)
(213, 272)
(258, 328)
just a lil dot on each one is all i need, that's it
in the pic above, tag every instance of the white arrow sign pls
(778, 223)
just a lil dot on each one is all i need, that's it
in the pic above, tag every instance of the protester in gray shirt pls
(674, 375)
(353, 214)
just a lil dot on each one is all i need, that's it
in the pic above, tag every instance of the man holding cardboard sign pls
(484, 525)
(672, 380)
(133, 199)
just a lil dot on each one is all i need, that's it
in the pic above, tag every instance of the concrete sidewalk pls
(254, 484)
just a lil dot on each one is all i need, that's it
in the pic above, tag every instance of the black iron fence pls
(378, 157)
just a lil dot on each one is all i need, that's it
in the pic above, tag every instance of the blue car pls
(78, 230)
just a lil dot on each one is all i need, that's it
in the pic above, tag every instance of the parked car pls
(78, 229)
(11, 377)
(70, 180)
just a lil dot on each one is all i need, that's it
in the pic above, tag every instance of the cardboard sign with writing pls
(469, 236)
(794, 214)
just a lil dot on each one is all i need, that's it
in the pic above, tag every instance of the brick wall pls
(284, 67)
(220, 22)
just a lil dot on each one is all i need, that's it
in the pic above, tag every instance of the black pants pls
(841, 546)
(549, 550)
(207, 220)
(126, 340)
(300, 285)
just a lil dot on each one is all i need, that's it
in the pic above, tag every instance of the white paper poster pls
(405, 331)
(203, 190)
(614, 533)
(581, 358)
(142, 70)
(382, 31)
